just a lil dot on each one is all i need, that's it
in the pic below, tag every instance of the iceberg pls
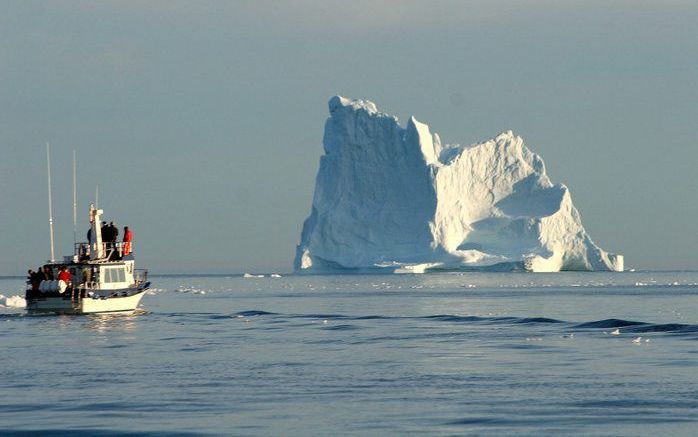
(396, 199)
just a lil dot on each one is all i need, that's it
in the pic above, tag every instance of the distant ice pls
(251, 276)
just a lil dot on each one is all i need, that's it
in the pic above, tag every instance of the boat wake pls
(624, 326)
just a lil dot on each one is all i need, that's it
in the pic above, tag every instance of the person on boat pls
(110, 235)
(86, 275)
(64, 278)
(105, 233)
(36, 279)
(114, 232)
(30, 278)
(47, 274)
(128, 237)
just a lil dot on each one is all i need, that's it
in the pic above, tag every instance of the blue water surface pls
(435, 354)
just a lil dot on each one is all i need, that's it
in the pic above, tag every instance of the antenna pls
(50, 206)
(75, 201)
(96, 196)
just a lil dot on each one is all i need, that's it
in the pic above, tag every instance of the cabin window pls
(114, 275)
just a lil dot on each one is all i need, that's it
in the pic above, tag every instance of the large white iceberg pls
(396, 199)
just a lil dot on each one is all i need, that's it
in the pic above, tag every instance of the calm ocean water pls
(437, 354)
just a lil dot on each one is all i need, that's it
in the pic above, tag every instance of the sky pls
(202, 122)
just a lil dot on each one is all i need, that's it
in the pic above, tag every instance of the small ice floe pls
(12, 301)
(615, 332)
(251, 276)
(637, 340)
(647, 340)
(192, 290)
(324, 322)
(275, 275)
(534, 339)
(570, 335)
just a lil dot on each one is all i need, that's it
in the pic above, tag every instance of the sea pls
(602, 354)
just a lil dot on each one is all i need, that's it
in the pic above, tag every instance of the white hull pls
(87, 305)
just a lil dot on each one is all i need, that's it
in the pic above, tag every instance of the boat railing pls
(140, 275)
(118, 249)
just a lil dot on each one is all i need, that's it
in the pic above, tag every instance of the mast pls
(97, 196)
(50, 206)
(75, 201)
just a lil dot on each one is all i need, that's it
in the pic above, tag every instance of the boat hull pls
(87, 305)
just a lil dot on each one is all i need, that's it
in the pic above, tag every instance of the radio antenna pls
(75, 199)
(50, 206)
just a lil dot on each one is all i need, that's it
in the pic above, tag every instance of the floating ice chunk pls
(13, 301)
(615, 332)
(251, 276)
(275, 275)
(638, 340)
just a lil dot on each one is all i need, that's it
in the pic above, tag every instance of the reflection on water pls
(102, 323)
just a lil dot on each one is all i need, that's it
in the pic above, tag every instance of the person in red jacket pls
(64, 275)
(128, 237)
(64, 278)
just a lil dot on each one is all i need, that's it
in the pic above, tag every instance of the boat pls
(103, 276)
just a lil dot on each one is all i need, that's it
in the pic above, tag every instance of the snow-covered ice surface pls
(475, 353)
(396, 199)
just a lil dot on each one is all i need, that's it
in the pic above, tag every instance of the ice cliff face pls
(395, 198)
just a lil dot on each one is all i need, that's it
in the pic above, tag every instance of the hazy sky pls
(202, 121)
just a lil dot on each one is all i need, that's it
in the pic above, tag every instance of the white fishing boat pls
(103, 278)
(99, 277)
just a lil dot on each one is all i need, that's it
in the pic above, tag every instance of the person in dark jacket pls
(105, 232)
(46, 274)
(36, 278)
(114, 232)
(31, 280)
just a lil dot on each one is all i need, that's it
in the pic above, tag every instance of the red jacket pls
(128, 236)
(64, 276)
